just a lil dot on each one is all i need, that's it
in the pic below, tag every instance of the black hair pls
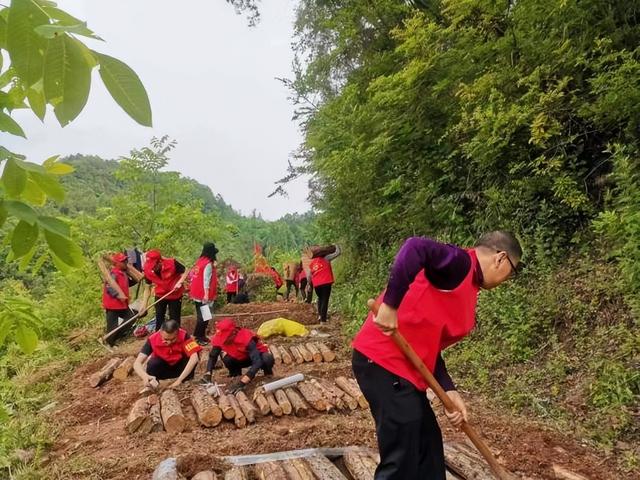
(170, 326)
(209, 250)
(502, 241)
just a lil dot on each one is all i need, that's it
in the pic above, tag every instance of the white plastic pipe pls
(283, 382)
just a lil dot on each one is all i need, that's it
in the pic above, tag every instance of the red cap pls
(224, 327)
(119, 257)
(153, 255)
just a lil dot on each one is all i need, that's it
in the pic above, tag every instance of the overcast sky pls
(210, 79)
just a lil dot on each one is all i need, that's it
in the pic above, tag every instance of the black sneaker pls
(203, 342)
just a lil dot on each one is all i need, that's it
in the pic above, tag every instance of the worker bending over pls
(431, 300)
(172, 354)
(242, 348)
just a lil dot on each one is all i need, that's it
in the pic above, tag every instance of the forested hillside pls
(459, 117)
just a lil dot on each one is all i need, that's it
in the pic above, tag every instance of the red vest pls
(430, 319)
(114, 303)
(197, 280)
(321, 271)
(237, 348)
(232, 281)
(166, 280)
(277, 279)
(173, 353)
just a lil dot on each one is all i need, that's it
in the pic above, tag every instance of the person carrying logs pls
(165, 275)
(431, 300)
(241, 348)
(203, 288)
(115, 293)
(172, 353)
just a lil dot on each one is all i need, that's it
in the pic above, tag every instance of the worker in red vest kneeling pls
(431, 300)
(173, 354)
(242, 348)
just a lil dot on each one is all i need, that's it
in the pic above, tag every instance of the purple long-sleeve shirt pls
(444, 265)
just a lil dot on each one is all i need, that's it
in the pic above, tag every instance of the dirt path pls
(92, 443)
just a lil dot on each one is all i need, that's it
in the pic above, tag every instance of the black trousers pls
(231, 297)
(162, 370)
(307, 297)
(235, 366)
(323, 292)
(291, 283)
(112, 322)
(200, 332)
(409, 438)
(175, 307)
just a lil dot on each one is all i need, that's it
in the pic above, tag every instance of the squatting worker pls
(173, 354)
(242, 349)
(164, 274)
(431, 299)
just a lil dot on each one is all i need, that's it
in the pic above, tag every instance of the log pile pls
(151, 414)
(304, 352)
(105, 373)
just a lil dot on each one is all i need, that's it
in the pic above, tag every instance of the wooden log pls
(295, 353)
(562, 473)
(327, 354)
(269, 471)
(171, 412)
(306, 354)
(263, 404)
(313, 396)
(227, 409)
(275, 351)
(154, 414)
(348, 400)
(359, 465)
(206, 475)
(466, 462)
(323, 468)
(124, 369)
(209, 414)
(317, 356)
(297, 469)
(105, 373)
(352, 390)
(237, 473)
(284, 402)
(332, 400)
(274, 406)
(247, 406)
(297, 403)
(138, 415)
(238, 417)
(167, 470)
(286, 356)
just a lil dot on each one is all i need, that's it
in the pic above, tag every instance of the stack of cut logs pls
(303, 352)
(150, 413)
(116, 368)
(463, 463)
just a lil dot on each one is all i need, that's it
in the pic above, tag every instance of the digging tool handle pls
(417, 362)
(135, 317)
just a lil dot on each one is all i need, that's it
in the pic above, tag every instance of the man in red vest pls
(322, 278)
(115, 301)
(203, 288)
(431, 299)
(173, 354)
(165, 275)
(242, 348)
(231, 283)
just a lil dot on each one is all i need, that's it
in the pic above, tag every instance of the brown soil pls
(93, 443)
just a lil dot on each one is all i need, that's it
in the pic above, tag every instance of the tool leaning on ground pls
(419, 365)
(137, 315)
